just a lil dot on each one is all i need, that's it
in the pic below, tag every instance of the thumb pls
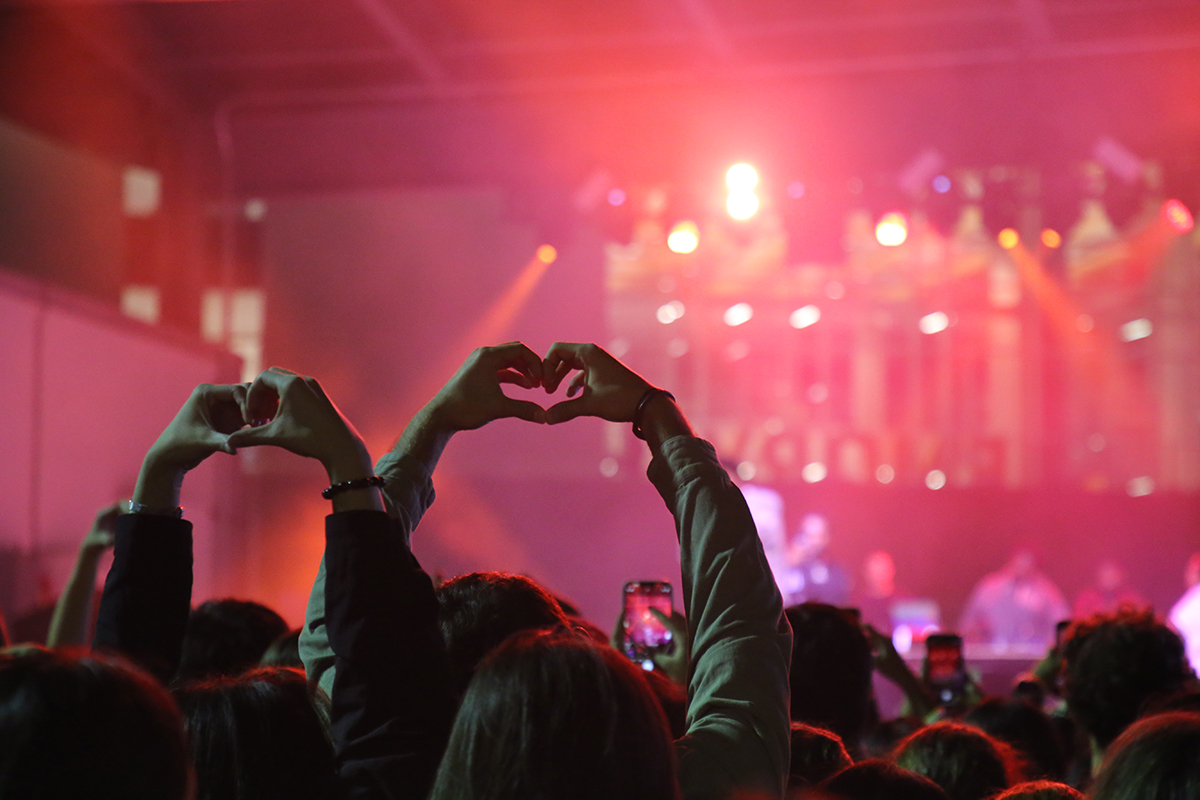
(566, 410)
(251, 437)
(524, 409)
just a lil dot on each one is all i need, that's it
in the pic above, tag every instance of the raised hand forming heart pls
(606, 387)
(201, 428)
(293, 412)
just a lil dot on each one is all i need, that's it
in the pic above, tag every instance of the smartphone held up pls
(644, 636)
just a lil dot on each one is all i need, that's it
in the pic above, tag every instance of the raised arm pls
(392, 700)
(72, 612)
(147, 596)
(738, 738)
(470, 399)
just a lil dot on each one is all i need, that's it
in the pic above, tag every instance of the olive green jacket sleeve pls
(738, 735)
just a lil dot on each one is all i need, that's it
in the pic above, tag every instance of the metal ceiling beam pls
(1014, 13)
(482, 90)
(402, 38)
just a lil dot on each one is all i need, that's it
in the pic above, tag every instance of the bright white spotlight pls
(804, 316)
(892, 229)
(1140, 486)
(742, 204)
(934, 323)
(1136, 329)
(684, 237)
(738, 314)
(935, 479)
(885, 473)
(669, 312)
(741, 178)
(814, 472)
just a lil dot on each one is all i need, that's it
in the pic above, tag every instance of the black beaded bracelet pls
(647, 396)
(346, 486)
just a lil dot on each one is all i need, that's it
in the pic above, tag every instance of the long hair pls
(260, 734)
(78, 725)
(551, 714)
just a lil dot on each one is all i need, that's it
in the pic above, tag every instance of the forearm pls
(392, 705)
(738, 715)
(69, 625)
(147, 596)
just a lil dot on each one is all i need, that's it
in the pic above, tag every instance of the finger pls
(671, 623)
(516, 378)
(523, 409)
(577, 383)
(262, 397)
(519, 357)
(268, 433)
(561, 358)
(566, 410)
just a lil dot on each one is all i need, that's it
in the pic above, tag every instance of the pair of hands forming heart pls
(606, 388)
(282, 408)
(287, 410)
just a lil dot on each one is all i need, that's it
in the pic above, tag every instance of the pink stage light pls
(1178, 215)
(892, 229)
(684, 238)
(738, 314)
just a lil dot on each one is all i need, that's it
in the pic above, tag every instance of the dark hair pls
(551, 714)
(284, 652)
(1040, 790)
(876, 779)
(831, 672)
(258, 735)
(82, 726)
(1155, 757)
(227, 637)
(1113, 663)
(882, 739)
(966, 762)
(816, 755)
(1028, 730)
(480, 610)
(1183, 700)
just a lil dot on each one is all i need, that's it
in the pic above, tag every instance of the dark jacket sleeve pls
(392, 703)
(148, 593)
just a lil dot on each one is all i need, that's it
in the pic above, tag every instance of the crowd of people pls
(487, 686)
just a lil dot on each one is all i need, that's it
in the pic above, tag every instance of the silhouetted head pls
(1027, 729)
(831, 672)
(1113, 663)
(284, 652)
(817, 754)
(1040, 790)
(260, 734)
(1157, 757)
(966, 762)
(227, 637)
(551, 714)
(81, 726)
(876, 779)
(480, 610)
